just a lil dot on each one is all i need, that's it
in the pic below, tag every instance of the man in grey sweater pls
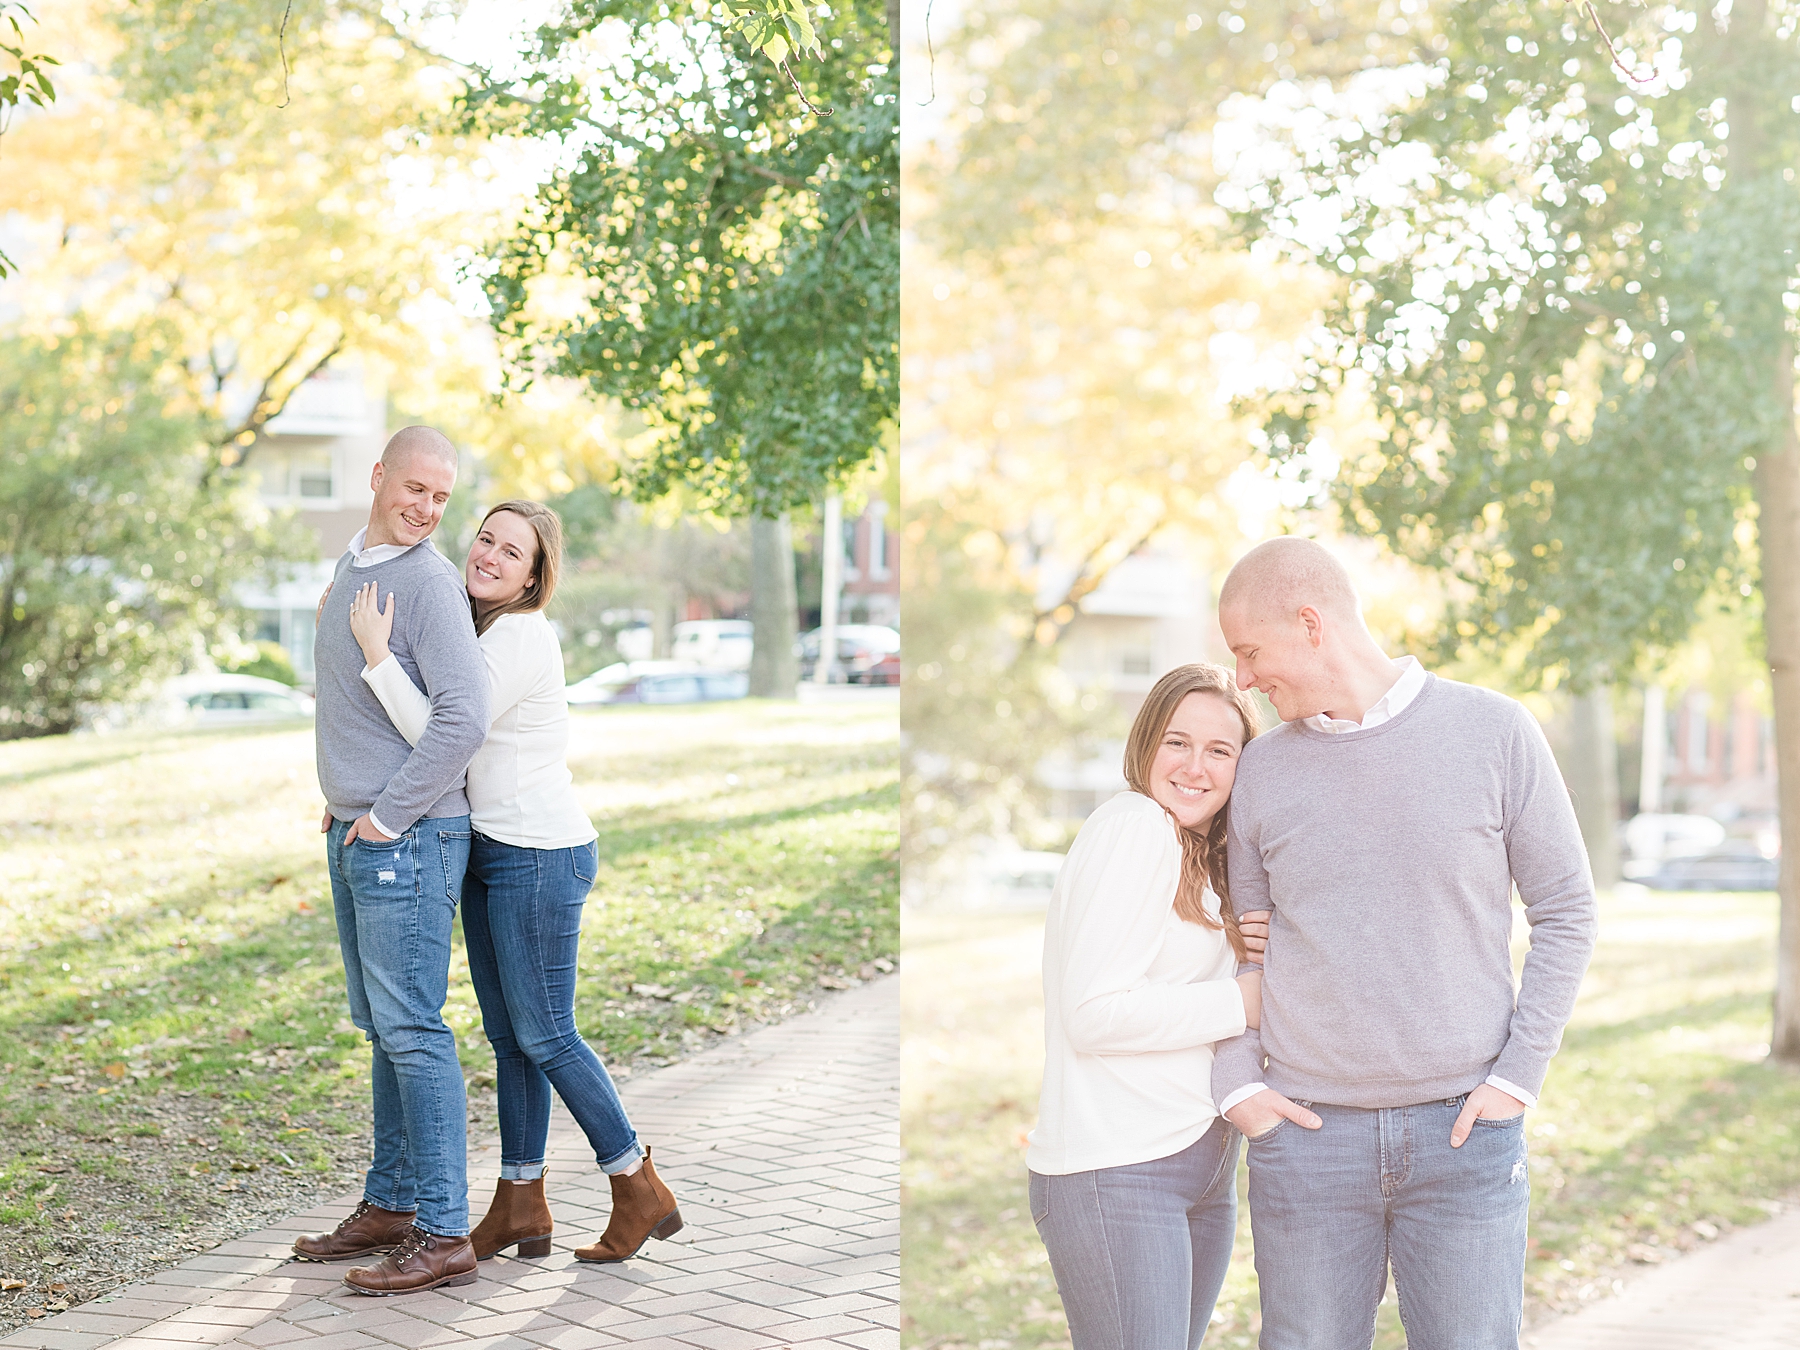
(1385, 825)
(397, 829)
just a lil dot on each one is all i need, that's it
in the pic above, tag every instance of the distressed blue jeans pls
(522, 924)
(1331, 1208)
(1139, 1252)
(395, 904)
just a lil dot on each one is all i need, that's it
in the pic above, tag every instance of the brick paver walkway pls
(783, 1146)
(1740, 1293)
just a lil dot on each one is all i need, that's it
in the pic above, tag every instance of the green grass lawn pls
(1661, 1125)
(166, 935)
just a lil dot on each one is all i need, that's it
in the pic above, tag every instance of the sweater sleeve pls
(442, 638)
(510, 668)
(1238, 1062)
(1114, 916)
(1549, 866)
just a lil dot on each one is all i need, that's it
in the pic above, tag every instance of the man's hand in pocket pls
(1262, 1112)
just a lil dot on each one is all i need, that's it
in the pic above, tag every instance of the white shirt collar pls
(375, 553)
(1402, 692)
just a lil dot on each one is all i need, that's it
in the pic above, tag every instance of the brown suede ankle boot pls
(367, 1231)
(642, 1208)
(519, 1217)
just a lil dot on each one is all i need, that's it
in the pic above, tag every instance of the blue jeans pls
(395, 903)
(522, 924)
(1139, 1252)
(1330, 1208)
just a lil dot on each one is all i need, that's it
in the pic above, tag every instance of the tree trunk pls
(1594, 781)
(1778, 536)
(831, 553)
(774, 608)
(1655, 763)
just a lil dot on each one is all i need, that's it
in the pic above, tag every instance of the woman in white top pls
(1133, 1171)
(531, 863)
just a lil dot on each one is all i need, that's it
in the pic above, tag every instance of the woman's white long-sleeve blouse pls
(520, 789)
(1134, 998)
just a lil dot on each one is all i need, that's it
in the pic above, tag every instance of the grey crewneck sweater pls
(1388, 857)
(364, 763)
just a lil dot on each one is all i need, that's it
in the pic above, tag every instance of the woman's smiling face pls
(1196, 761)
(501, 559)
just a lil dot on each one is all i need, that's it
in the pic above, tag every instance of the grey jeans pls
(1139, 1252)
(1331, 1208)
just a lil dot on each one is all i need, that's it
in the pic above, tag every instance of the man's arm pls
(1549, 865)
(442, 638)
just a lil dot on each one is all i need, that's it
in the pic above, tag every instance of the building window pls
(1697, 735)
(312, 478)
(851, 571)
(878, 542)
(1136, 663)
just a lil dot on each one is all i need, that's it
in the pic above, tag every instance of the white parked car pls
(722, 644)
(658, 682)
(235, 700)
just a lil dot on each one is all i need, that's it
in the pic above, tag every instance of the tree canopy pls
(1568, 281)
(719, 248)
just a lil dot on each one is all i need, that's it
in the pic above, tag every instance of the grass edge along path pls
(176, 1062)
(1663, 1124)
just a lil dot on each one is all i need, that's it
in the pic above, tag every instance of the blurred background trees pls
(299, 220)
(729, 227)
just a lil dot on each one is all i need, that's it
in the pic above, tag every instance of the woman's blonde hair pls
(1202, 855)
(545, 568)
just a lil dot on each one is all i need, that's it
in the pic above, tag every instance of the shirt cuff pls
(370, 670)
(1242, 1094)
(395, 834)
(1512, 1089)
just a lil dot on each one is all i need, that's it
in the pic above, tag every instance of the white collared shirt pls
(1402, 692)
(374, 553)
(1389, 706)
(368, 557)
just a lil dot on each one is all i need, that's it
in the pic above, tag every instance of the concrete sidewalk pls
(1741, 1293)
(782, 1145)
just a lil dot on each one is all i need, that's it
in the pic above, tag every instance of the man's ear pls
(1314, 623)
(376, 474)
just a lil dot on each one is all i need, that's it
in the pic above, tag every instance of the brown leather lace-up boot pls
(519, 1216)
(423, 1261)
(642, 1208)
(368, 1231)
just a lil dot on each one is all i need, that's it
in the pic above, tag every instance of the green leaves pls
(736, 250)
(1567, 325)
(776, 28)
(118, 559)
(30, 83)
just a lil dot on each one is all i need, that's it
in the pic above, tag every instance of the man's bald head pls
(1279, 577)
(411, 484)
(417, 440)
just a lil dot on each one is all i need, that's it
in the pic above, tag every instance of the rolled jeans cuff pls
(521, 1171)
(613, 1166)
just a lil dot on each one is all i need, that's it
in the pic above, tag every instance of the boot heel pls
(456, 1281)
(669, 1227)
(533, 1247)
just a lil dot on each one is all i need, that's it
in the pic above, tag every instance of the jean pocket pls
(383, 871)
(585, 859)
(1502, 1123)
(1267, 1134)
(1039, 1191)
(453, 846)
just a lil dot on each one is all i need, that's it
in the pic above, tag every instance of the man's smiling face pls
(1277, 656)
(410, 496)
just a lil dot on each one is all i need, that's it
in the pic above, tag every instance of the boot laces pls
(362, 1207)
(415, 1242)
